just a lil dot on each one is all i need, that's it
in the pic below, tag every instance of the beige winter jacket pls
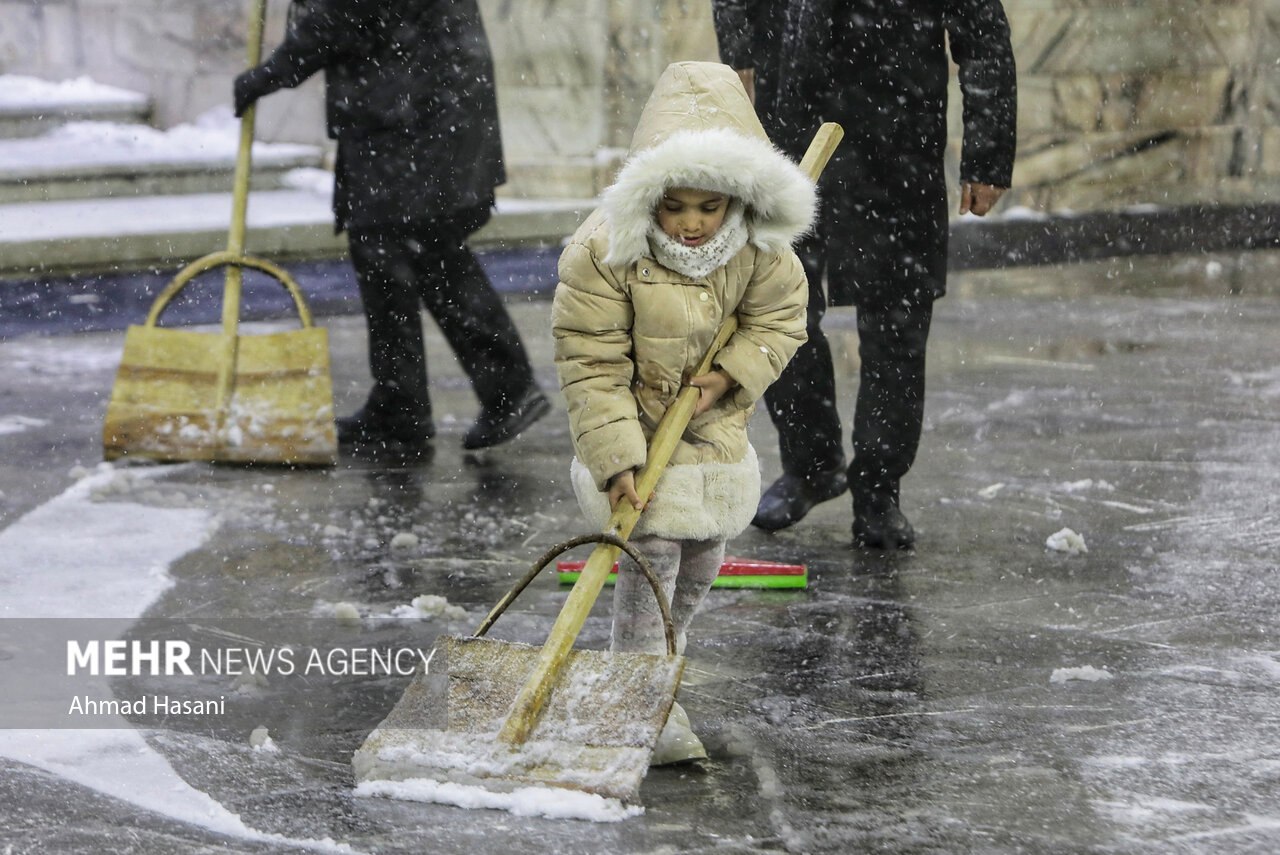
(628, 330)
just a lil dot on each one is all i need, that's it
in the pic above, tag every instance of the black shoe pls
(792, 496)
(365, 431)
(878, 523)
(494, 427)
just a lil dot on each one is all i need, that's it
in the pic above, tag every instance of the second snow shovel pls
(517, 716)
(221, 396)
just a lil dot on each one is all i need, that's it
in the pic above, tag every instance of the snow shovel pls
(581, 719)
(518, 716)
(220, 396)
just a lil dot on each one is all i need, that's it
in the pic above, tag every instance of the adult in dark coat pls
(410, 99)
(879, 68)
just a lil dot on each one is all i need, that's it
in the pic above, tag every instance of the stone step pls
(32, 107)
(156, 232)
(86, 160)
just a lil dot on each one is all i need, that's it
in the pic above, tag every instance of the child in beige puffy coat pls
(697, 227)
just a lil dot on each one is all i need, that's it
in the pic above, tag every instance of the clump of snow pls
(1086, 484)
(1066, 540)
(79, 473)
(1013, 400)
(404, 540)
(428, 606)
(990, 492)
(250, 683)
(345, 613)
(215, 132)
(261, 740)
(1022, 212)
(549, 802)
(1086, 673)
(310, 179)
(18, 424)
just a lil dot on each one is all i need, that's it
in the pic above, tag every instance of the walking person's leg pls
(888, 419)
(398, 408)
(802, 405)
(474, 321)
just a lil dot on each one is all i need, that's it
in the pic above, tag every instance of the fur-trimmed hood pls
(698, 129)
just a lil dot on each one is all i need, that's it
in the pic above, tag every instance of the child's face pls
(691, 216)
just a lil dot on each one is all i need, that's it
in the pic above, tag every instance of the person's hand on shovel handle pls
(623, 486)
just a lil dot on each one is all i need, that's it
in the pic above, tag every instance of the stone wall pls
(1166, 102)
(1123, 102)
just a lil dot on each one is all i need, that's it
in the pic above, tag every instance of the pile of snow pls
(347, 614)
(404, 540)
(18, 424)
(1066, 540)
(550, 802)
(429, 606)
(17, 91)
(424, 607)
(216, 131)
(1086, 673)
(261, 740)
(91, 538)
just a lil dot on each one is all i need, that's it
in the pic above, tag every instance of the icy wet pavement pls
(903, 703)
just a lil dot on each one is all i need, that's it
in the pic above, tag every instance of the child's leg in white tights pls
(685, 569)
(637, 621)
(700, 562)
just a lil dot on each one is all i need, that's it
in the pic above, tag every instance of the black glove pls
(249, 87)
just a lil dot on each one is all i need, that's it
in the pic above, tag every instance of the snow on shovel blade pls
(280, 409)
(596, 733)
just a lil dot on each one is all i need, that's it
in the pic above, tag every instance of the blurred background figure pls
(410, 100)
(879, 68)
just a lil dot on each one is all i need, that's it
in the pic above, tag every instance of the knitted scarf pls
(696, 262)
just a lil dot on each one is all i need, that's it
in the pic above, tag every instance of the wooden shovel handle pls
(820, 150)
(240, 185)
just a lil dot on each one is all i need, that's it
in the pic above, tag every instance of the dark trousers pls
(889, 413)
(402, 268)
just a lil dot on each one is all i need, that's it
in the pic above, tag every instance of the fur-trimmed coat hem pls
(704, 501)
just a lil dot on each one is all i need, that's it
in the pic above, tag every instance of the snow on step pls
(29, 105)
(124, 233)
(86, 159)
(40, 237)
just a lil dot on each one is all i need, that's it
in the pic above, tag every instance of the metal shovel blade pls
(596, 733)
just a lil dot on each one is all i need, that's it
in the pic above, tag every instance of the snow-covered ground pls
(1080, 656)
(91, 552)
(987, 693)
